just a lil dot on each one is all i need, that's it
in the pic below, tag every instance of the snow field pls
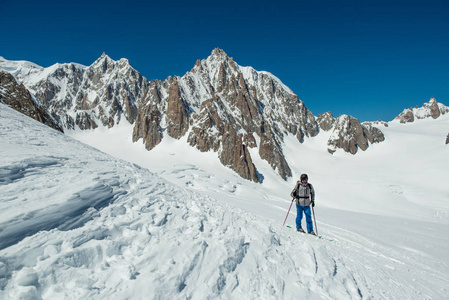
(391, 198)
(77, 223)
(82, 224)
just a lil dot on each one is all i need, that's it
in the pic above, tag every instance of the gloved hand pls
(313, 203)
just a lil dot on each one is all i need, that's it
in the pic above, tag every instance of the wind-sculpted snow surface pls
(79, 224)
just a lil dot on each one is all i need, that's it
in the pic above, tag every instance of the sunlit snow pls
(174, 223)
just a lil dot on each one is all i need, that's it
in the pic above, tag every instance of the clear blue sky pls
(369, 59)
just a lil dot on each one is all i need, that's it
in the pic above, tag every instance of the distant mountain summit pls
(21, 70)
(432, 109)
(348, 134)
(217, 106)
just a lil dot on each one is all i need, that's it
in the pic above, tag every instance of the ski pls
(318, 236)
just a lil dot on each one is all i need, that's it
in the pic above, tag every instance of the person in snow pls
(305, 196)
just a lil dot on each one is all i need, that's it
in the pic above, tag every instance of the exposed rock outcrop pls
(349, 135)
(406, 116)
(177, 117)
(207, 127)
(326, 121)
(432, 109)
(234, 154)
(148, 125)
(447, 139)
(373, 134)
(19, 98)
(271, 151)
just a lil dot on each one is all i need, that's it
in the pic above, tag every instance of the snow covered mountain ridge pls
(432, 109)
(218, 106)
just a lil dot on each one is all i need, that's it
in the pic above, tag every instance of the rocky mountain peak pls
(106, 64)
(431, 109)
(103, 56)
(225, 108)
(218, 54)
(348, 134)
(218, 64)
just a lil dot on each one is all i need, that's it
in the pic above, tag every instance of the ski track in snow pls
(398, 266)
(79, 224)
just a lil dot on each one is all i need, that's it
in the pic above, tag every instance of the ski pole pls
(288, 212)
(316, 228)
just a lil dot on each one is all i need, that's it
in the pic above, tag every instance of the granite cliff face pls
(17, 96)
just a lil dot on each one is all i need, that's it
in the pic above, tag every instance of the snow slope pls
(20, 69)
(77, 223)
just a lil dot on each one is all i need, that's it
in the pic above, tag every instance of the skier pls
(305, 196)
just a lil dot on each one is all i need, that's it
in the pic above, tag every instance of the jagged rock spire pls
(219, 53)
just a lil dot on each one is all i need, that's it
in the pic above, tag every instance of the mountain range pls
(217, 106)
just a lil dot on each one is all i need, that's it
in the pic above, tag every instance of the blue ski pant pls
(308, 212)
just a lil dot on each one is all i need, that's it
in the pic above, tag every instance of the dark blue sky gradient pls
(369, 59)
